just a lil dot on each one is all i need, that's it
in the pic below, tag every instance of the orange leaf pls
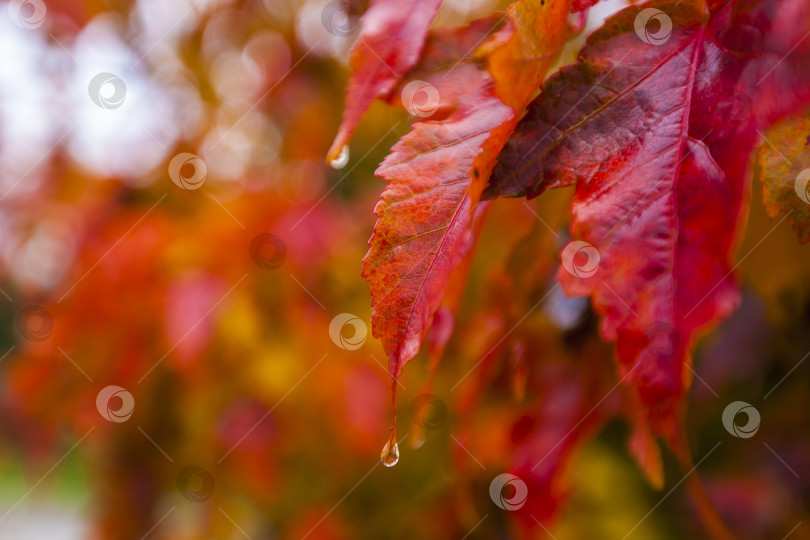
(784, 160)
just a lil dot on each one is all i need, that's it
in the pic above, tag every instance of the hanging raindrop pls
(342, 159)
(390, 452)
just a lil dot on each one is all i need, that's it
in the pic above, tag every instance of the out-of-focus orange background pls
(175, 258)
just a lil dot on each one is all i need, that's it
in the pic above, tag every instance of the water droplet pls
(342, 159)
(390, 452)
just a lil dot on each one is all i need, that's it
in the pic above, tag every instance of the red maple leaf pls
(464, 94)
(389, 44)
(655, 126)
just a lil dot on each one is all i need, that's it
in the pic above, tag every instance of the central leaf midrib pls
(530, 163)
